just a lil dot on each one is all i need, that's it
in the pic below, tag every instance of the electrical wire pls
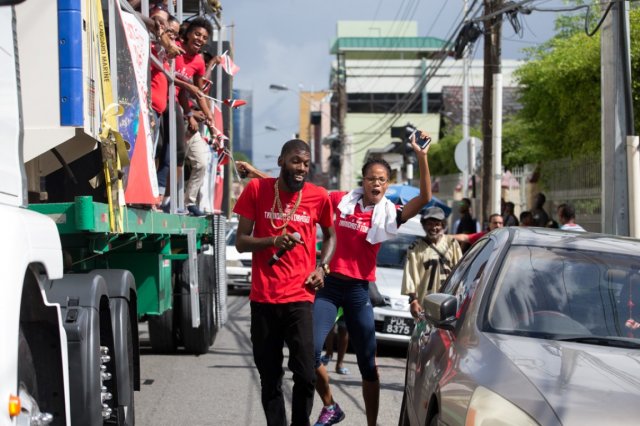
(402, 106)
(414, 91)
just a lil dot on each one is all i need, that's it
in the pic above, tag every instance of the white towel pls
(383, 221)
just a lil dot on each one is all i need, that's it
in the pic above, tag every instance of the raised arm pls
(247, 170)
(417, 203)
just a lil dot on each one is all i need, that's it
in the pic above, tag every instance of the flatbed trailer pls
(160, 250)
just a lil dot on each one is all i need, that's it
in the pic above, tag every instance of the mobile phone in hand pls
(422, 143)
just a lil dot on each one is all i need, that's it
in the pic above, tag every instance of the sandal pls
(342, 370)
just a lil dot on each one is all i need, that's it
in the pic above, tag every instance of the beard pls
(290, 180)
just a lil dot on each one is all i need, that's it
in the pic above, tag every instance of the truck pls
(82, 269)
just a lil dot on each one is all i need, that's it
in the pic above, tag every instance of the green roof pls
(389, 44)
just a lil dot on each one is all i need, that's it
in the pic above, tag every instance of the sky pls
(287, 42)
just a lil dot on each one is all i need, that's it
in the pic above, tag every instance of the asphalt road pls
(222, 387)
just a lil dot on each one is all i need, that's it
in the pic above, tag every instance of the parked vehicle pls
(238, 264)
(393, 321)
(534, 326)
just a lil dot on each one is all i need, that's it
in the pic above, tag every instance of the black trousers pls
(273, 325)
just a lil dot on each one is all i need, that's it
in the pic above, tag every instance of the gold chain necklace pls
(285, 217)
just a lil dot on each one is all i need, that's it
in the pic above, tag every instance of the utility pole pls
(465, 116)
(492, 47)
(618, 204)
(345, 169)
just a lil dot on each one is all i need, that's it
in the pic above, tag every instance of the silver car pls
(535, 327)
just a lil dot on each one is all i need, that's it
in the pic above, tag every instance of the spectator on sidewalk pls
(567, 218)
(466, 224)
(495, 222)
(540, 216)
(526, 218)
(429, 260)
(508, 215)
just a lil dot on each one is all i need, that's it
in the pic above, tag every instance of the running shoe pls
(330, 415)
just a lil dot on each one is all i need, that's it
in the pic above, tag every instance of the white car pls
(238, 264)
(394, 323)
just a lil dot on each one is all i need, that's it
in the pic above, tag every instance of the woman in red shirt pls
(363, 219)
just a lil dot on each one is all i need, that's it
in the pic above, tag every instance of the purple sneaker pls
(330, 415)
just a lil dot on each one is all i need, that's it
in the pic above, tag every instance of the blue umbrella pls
(401, 194)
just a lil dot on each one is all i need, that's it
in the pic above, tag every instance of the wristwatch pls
(325, 268)
(412, 298)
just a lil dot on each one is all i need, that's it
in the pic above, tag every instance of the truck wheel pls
(161, 332)
(196, 340)
(28, 384)
(123, 338)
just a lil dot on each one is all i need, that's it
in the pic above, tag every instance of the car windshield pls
(563, 294)
(231, 237)
(393, 252)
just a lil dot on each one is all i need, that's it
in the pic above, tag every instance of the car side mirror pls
(440, 310)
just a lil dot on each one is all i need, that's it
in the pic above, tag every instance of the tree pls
(560, 96)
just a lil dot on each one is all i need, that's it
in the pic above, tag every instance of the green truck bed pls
(149, 245)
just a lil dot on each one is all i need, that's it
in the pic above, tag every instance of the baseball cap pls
(432, 213)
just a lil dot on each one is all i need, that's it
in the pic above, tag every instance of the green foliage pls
(441, 155)
(241, 156)
(560, 95)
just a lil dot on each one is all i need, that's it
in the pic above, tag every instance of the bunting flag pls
(218, 191)
(217, 119)
(227, 64)
(234, 103)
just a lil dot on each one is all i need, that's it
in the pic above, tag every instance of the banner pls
(133, 94)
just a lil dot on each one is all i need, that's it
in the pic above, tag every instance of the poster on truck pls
(133, 94)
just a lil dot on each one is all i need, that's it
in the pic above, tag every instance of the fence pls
(577, 182)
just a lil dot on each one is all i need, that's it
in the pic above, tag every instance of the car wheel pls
(435, 420)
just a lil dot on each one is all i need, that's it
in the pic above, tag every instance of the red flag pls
(227, 64)
(217, 118)
(234, 103)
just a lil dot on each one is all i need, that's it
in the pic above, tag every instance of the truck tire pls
(27, 380)
(196, 340)
(124, 347)
(162, 333)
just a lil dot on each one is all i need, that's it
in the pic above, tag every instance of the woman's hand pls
(246, 170)
(416, 144)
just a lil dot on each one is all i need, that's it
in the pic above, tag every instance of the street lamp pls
(278, 87)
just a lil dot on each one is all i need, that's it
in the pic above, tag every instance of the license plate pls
(398, 325)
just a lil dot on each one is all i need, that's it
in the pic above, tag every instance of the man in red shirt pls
(270, 212)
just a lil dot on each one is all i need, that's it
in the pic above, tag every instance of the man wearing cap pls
(429, 259)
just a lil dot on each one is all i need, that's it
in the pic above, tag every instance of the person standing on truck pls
(277, 222)
(190, 70)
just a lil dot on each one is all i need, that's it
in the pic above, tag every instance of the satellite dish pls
(461, 154)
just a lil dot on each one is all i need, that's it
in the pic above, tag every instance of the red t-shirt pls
(284, 281)
(188, 66)
(159, 85)
(354, 257)
(476, 236)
